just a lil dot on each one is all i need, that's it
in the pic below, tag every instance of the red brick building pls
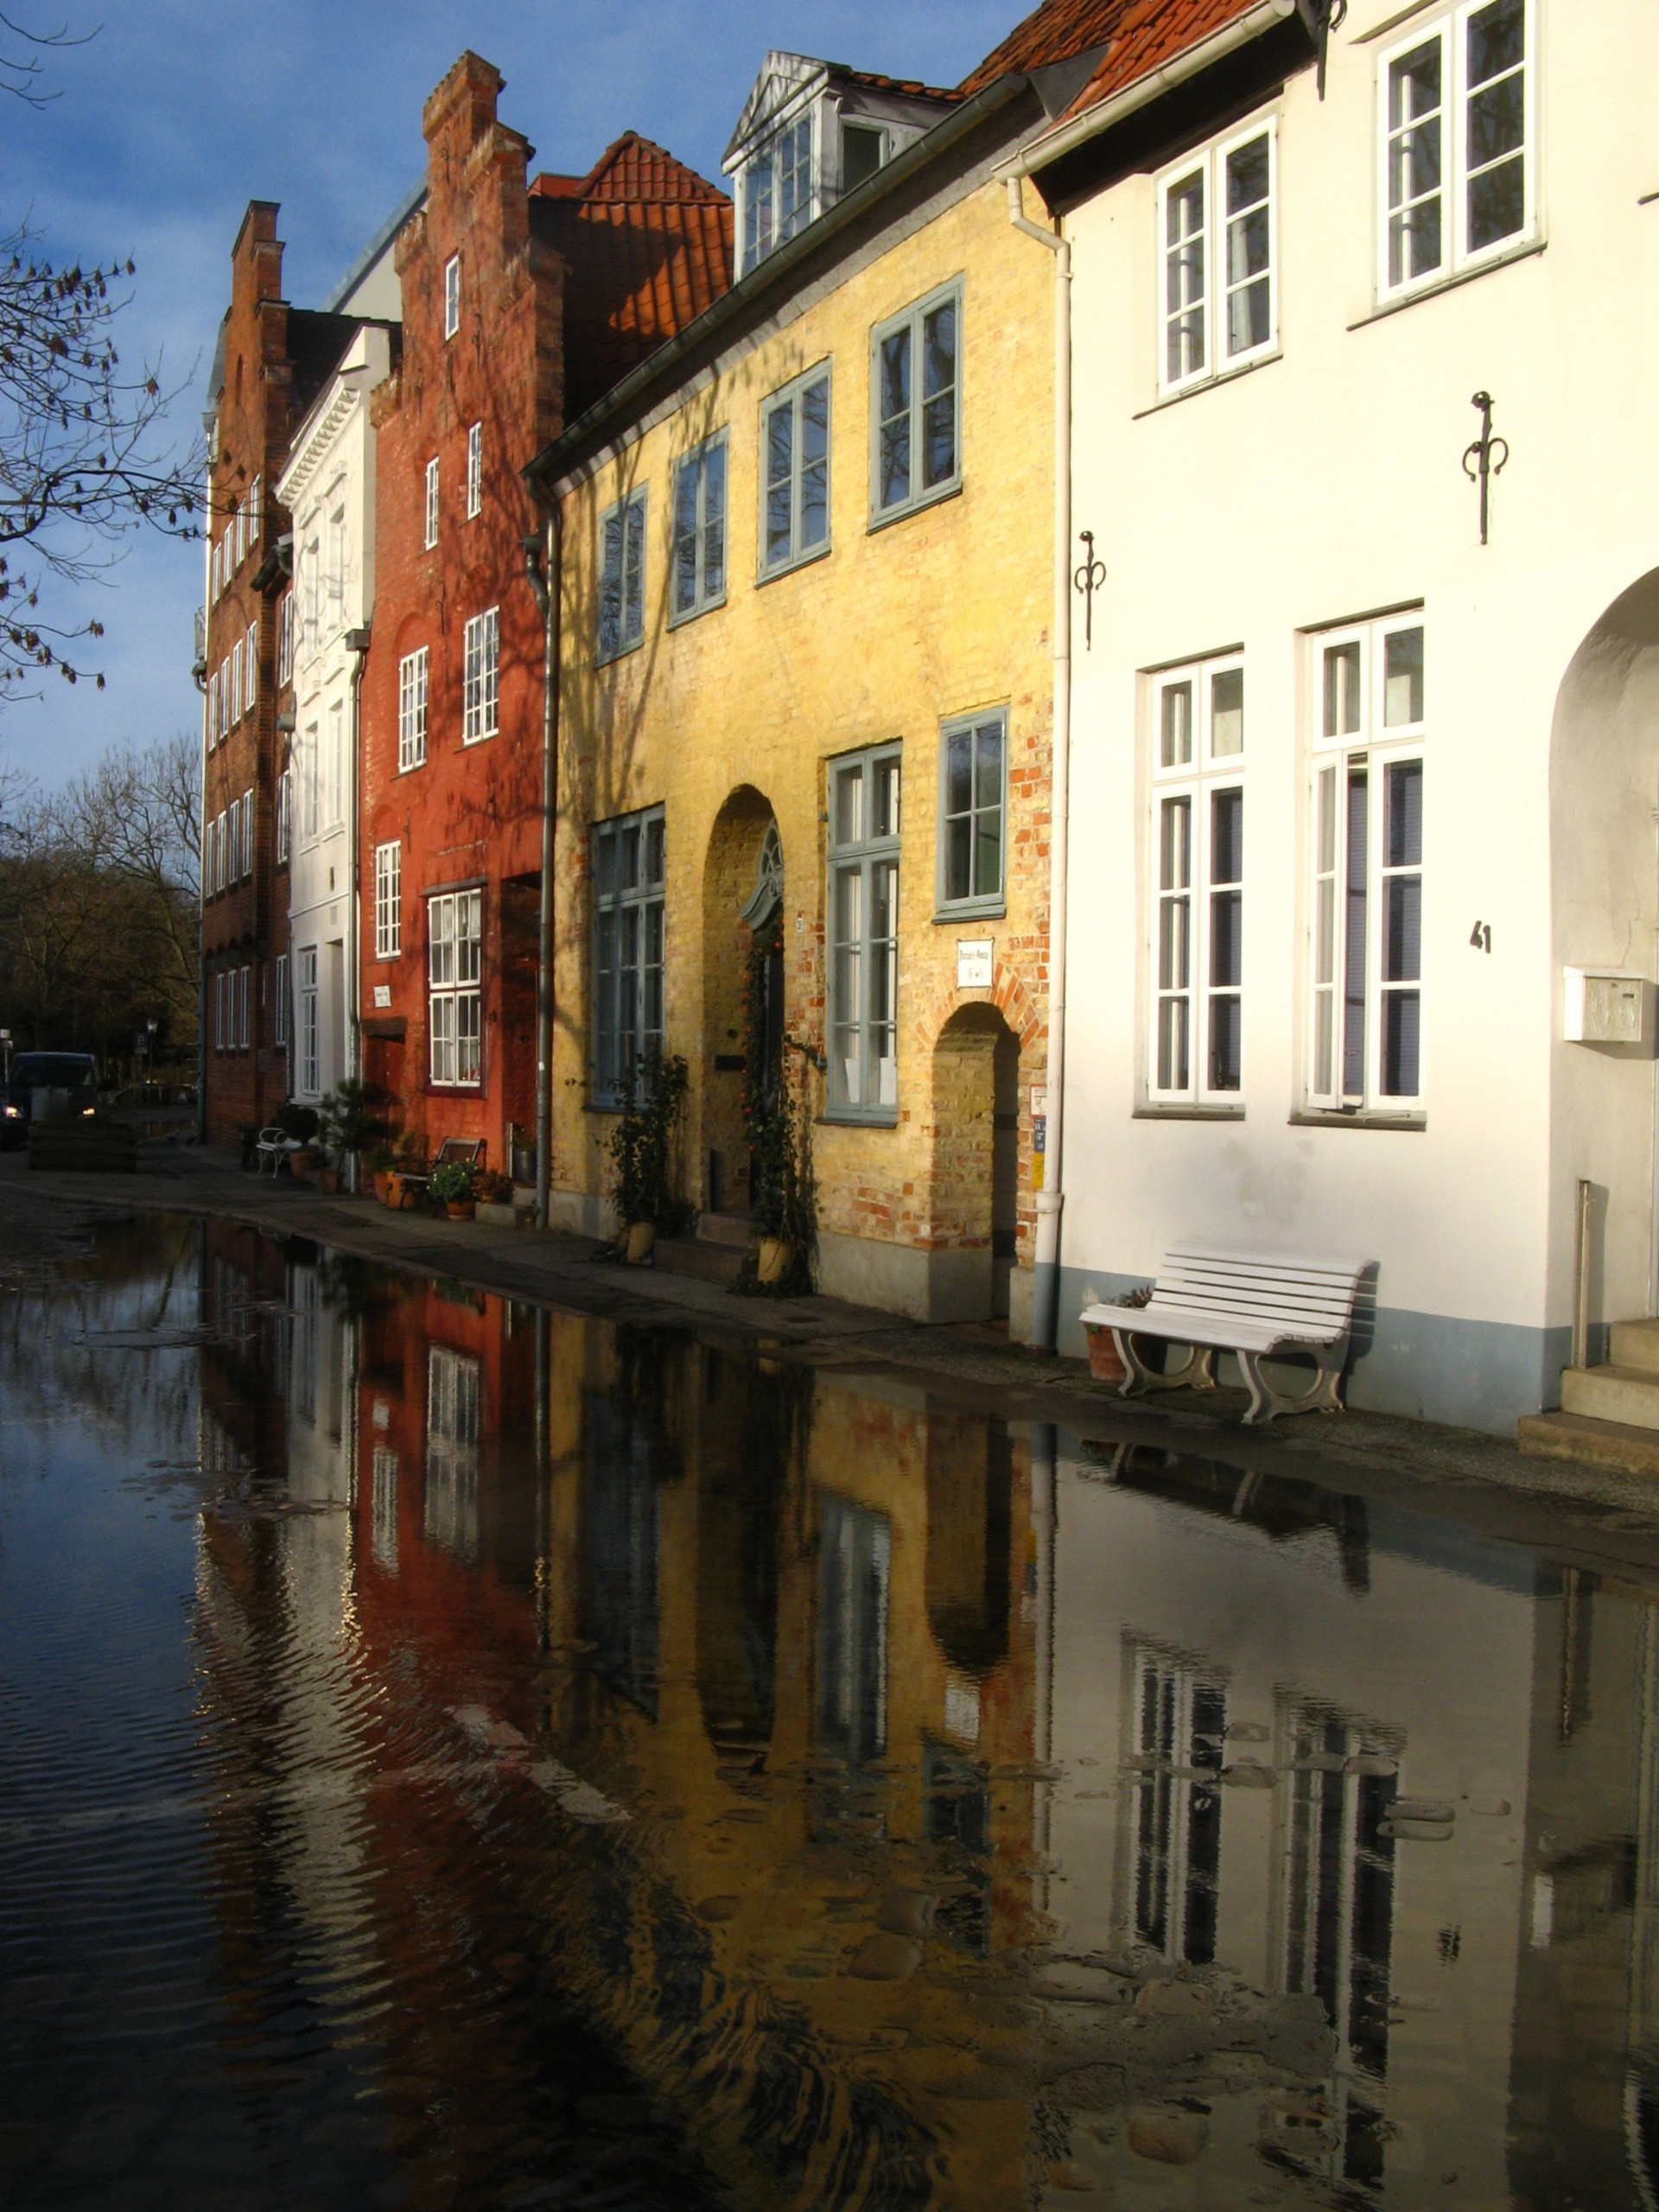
(522, 302)
(271, 360)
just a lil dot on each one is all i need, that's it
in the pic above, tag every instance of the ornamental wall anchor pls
(1485, 458)
(1088, 580)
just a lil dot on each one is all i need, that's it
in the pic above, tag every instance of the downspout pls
(357, 644)
(201, 672)
(542, 557)
(1046, 1287)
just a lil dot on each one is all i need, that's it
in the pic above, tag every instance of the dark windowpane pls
(780, 450)
(1226, 938)
(1402, 953)
(1497, 204)
(1226, 1049)
(713, 522)
(1496, 40)
(610, 588)
(861, 155)
(988, 853)
(1402, 679)
(633, 574)
(685, 538)
(939, 440)
(895, 461)
(1497, 121)
(1227, 837)
(1400, 1044)
(815, 458)
(1353, 1050)
(654, 851)
(1246, 175)
(1406, 815)
(958, 854)
(1415, 85)
(958, 773)
(939, 351)
(814, 420)
(895, 375)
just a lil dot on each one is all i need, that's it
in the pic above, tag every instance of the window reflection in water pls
(620, 1613)
(453, 1408)
(855, 1571)
(1181, 1721)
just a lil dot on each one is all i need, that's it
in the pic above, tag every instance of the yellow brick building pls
(805, 696)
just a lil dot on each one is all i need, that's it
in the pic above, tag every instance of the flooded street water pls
(456, 1755)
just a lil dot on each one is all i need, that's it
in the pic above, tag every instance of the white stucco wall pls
(1326, 484)
(330, 475)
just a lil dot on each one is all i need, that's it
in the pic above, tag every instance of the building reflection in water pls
(857, 1771)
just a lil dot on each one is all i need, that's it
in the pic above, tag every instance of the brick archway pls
(1007, 993)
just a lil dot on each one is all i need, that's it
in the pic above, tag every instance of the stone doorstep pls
(707, 1262)
(1636, 1344)
(1611, 1444)
(504, 1216)
(1627, 1395)
(728, 1229)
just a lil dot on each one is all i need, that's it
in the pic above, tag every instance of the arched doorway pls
(1604, 792)
(742, 918)
(977, 1157)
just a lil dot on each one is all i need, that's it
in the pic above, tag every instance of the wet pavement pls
(457, 1754)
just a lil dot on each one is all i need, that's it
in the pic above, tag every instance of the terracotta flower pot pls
(327, 1181)
(381, 1179)
(641, 1236)
(303, 1163)
(459, 1209)
(1104, 1366)
(773, 1261)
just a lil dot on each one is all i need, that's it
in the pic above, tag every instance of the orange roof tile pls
(1058, 31)
(648, 245)
(909, 86)
(1152, 33)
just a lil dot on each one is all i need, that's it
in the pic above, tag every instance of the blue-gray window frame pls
(624, 1008)
(973, 902)
(621, 530)
(862, 856)
(792, 396)
(913, 320)
(693, 468)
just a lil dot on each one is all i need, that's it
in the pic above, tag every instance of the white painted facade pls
(1314, 493)
(328, 488)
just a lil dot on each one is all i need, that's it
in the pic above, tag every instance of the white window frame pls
(307, 1028)
(455, 940)
(247, 832)
(968, 729)
(1450, 32)
(863, 959)
(702, 479)
(411, 711)
(253, 516)
(279, 1024)
(336, 764)
(231, 832)
(474, 470)
(789, 405)
(213, 709)
(251, 670)
(1195, 906)
(451, 296)
(389, 900)
(630, 923)
(622, 577)
(431, 503)
(285, 637)
(244, 1008)
(236, 681)
(481, 676)
(1212, 304)
(913, 320)
(1344, 1074)
(219, 1011)
(285, 783)
(240, 526)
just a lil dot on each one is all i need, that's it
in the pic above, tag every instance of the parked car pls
(73, 1076)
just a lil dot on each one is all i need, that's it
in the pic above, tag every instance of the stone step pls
(725, 1229)
(687, 1256)
(1627, 1395)
(1611, 1444)
(1635, 1344)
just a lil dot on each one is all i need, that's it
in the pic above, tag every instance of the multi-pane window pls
(251, 669)
(336, 764)
(795, 473)
(454, 939)
(310, 1073)
(218, 1012)
(973, 780)
(1216, 219)
(254, 514)
(474, 470)
(1456, 135)
(284, 783)
(452, 295)
(236, 681)
(310, 784)
(279, 1009)
(285, 637)
(240, 526)
(699, 530)
(247, 832)
(244, 1008)
(628, 877)
(431, 503)
(916, 417)
(215, 565)
(230, 823)
(383, 1508)
(1179, 1736)
(454, 1423)
(864, 802)
(1196, 1048)
(481, 676)
(622, 576)
(388, 901)
(777, 192)
(411, 709)
(1365, 1028)
(213, 709)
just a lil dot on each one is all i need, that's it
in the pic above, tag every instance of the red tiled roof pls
(1058, 31)
(648, 244)
(1152, 33)
(908, 86)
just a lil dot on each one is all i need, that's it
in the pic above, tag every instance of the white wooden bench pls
(1216, 1297)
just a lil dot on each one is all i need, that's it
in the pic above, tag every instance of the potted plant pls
(642, 1146)
(1104, 1364)
(299, 1123)
(783, 1197)
(348, 1124)
(380, 1161)
(452, 1187)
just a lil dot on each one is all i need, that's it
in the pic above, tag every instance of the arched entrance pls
(1603, 791)
(976, 1159)
(742, 916)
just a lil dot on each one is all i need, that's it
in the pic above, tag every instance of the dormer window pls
(777, 192)
(862, 145)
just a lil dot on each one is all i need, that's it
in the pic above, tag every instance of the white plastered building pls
(1357, 797)
(328, 488)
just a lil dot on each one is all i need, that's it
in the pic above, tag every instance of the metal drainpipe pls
(542, 557)
(210, 423)
(1046, 1287)
(357, 644)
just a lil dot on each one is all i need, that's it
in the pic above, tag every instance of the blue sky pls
(178, 112)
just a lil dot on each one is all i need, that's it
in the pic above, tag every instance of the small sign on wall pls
(382, 995)
(1038, 1133)
(974, 959)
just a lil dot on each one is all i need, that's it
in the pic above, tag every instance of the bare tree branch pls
(21, 67)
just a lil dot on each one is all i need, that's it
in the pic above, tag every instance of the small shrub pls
(452, 1182)
(299, 1123)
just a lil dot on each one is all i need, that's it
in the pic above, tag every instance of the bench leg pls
(1320, 1396)
(1197, 1371)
